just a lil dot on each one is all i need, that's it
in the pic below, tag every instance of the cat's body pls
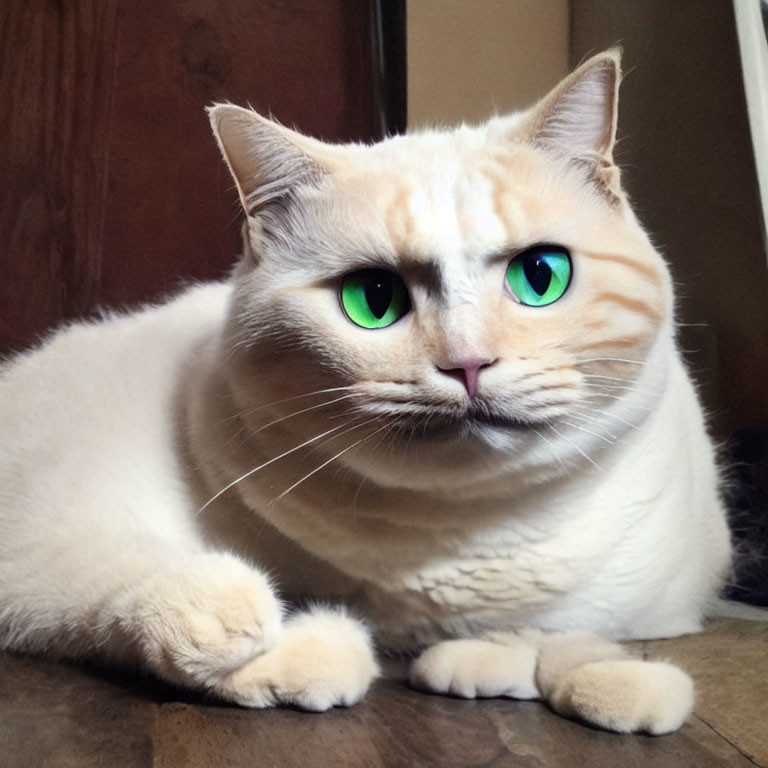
(480, 468)
(462, 558)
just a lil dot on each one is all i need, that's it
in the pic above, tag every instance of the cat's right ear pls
(267, 160)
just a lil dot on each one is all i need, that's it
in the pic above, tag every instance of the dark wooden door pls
(112, 189)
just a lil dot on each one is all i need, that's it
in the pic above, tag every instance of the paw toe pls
(476, 668)
(323, 659)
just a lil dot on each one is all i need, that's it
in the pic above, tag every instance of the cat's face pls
(476, 301)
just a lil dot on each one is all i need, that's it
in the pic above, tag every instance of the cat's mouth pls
(497, 420)
(471, 422)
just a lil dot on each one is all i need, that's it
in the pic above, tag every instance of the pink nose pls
(466, 371)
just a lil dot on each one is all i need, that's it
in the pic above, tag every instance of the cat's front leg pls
(194, 620)
(212, 622)
(578, 674)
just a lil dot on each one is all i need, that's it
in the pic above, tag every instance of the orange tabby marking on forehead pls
(513, 211)
(400, 219)
(498, 192)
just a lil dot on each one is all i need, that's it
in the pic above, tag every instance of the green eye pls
(374, 298)
(540, 275)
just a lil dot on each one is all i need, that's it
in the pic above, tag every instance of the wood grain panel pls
(172, 211)
(56, 76)
(113, 191)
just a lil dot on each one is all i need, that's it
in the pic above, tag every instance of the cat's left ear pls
(579, 115)
(578, 118)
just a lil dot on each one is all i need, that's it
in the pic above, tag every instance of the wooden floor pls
(56, 715)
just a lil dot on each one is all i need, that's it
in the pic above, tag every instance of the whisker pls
(612, 396)
(267, 463)
(244, 429)
(610, 360)
(554, 451)
(607, 414)
(343, 432)
(297, 413)
(588, 432)
(411, 433)
(382, 438)
(591, 418)
(628, 389)
(353, 504)
(333, 458)
(251, 411)
(576, 447)
(620, 398)
(606, 378)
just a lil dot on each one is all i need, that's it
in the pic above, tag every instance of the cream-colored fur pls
(478, 669)
(171, 479)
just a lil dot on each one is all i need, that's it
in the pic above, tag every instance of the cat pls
(438, 403)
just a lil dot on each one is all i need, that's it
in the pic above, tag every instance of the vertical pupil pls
(538, 274)
(378, 294)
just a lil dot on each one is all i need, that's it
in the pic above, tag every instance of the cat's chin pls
(489, 439)
(456, 454)
(496, 431)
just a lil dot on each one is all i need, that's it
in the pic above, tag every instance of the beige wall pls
(470, 58)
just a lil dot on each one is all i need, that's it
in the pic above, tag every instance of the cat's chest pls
(482, 576)
(419, 557)
(462, 590)
(444, 573)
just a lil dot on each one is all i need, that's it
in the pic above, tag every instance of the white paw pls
(626, 695)
(324, 659)
(199, 622)
(477, 668)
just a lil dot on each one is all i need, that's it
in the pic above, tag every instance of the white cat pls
(441, 389)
